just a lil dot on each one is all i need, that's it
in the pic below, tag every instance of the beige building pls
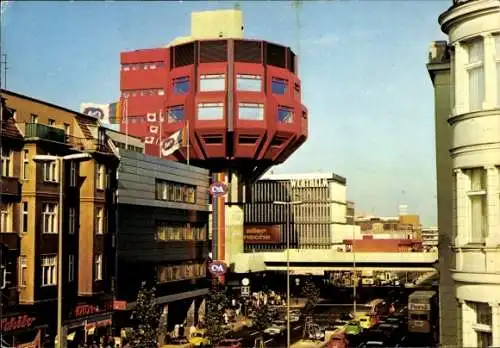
(466, 75)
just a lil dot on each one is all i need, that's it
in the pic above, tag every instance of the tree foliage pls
(311, 292)
(145, 318)
(217, 302)
(263, 318)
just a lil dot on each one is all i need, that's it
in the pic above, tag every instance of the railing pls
(38, 130)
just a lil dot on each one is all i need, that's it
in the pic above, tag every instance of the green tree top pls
(311, 293)
(145, 318)
(217, 302)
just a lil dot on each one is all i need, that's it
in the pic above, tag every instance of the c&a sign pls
(217, 268)
(16, 322)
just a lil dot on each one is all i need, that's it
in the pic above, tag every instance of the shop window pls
(279, 86)
(251, 111)
(212, 83)
(181, 85)
(249, 83)
(210, 111)
(285, 114)
(175, 114)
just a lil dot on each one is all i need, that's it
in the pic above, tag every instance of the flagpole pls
(161, 130)
(126, 123)
(187, 136)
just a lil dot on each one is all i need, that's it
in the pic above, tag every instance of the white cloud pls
(328, 39)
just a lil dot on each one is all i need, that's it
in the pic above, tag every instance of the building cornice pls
(466, 10)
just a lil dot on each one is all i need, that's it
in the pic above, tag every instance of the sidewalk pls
(309, 344)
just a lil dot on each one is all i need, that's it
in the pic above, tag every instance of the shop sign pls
(16, 323)
(218, 189)
(217, 268)
(119, 305)
(82, 310)
(99, 323)
(419, 307)
(261, 234)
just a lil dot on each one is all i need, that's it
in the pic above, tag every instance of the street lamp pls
(287, 266)
(49, 158)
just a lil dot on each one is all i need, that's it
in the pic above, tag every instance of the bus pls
(423, 312)
(378, 308)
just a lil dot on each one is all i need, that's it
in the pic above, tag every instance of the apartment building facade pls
(162, 236)
(32, 212)
(465, 71)
(310, 208)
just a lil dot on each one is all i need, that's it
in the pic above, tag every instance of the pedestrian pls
(176, 330)
(181, 330)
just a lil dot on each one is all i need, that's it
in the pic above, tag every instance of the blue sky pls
(362, 67)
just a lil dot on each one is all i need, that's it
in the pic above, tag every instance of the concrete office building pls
(430, 237)
(317, 223)
(162, 236)
(466, 75)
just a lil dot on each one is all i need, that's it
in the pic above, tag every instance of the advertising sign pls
(16, 322)
(217, 268)
(218, 189)
(100, 111)
(261, 234)
(419, 307)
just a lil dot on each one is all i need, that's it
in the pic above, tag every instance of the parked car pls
(353, 328)
(229, 343)
(199, 338)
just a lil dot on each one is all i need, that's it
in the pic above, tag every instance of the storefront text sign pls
(261, 234)
(16, 323)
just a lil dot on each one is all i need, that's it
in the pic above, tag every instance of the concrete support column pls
(190, 316)
(493, 203)
(495, 324)
(460, 305)
(463, 208)
(490, 90)
(469, 318)
(461, 100)
(201, 309)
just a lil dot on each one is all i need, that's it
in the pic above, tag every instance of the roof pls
(8, 124)
(18, 95)
(303, 176)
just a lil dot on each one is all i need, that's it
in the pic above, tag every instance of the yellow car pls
(366, 321)
(199, 338)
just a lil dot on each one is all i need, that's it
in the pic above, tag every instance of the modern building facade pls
(310, 208)
(32, 219)
(430, 237)
(466, 75)
(162, 236)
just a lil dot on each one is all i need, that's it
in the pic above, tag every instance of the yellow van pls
(366, 321)
(199, 338)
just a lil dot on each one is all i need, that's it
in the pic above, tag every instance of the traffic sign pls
(217, 268)
(218, 188)
(245, 291)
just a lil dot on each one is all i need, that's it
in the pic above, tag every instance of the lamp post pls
(60, 160)
(287, 266)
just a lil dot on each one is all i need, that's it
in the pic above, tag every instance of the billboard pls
(107, 113)
(261, 234)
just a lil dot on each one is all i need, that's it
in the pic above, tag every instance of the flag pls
(172, 143)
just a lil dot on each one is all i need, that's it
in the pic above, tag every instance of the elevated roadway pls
(317, 261)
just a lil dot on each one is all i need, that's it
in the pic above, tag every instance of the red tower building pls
(239, 100)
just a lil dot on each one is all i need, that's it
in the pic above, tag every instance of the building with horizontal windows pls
(430, 237)
(44, 147)
(465, 71)
(310, 208)
(162, 236)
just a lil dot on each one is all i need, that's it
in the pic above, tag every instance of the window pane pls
(249, 111)
(181, 85)
(175, 114)
(279, 86)
(211, 111)
(476, 51)
(252, 83)
(285, 114)
(476, 88)
(212, 83)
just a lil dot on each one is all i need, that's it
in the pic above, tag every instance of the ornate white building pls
(466, 76)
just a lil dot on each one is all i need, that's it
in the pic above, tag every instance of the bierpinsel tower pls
(219, 101)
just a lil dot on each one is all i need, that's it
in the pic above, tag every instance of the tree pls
(145, 318)
(262, 318)
(311, 293)
(217, 302)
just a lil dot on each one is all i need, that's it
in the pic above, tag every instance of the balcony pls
(10, 186)
(41, 131)
(91, 145)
